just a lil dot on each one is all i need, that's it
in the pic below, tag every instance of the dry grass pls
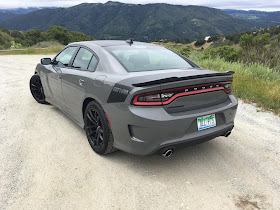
(252, 83)
(33, 51)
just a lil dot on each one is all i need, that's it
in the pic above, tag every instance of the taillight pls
(227, 87)
(167, 96)
(149, 98)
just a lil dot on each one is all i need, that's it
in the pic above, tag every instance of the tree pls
(199, 42)
(78, 36)
(17, 34)
(58, 33)
(33, 36)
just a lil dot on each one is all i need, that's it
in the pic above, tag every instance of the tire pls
(98, 129)
(36, 89)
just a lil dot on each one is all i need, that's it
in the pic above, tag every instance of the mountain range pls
(10, 13)
(150, 22)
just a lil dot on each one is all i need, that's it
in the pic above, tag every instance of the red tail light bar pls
(165, 97)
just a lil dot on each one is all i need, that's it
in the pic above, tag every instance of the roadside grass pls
(35, 51)
(48, 44)
(252, 83)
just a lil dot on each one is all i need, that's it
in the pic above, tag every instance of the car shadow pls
(197, 159)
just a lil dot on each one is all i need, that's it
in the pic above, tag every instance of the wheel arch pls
(86, 102)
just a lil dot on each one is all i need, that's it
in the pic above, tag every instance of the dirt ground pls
(47, 163)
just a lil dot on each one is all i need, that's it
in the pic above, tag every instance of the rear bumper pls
(193, 141)
(147, 130)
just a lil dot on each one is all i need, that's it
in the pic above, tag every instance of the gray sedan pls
(137, 97)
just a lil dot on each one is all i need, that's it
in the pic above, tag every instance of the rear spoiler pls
(175, 79)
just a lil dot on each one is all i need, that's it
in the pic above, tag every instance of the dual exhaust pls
(169, 152)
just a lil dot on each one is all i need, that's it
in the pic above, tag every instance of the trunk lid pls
(186, 89)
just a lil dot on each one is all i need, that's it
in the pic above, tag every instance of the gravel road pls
(47, 163)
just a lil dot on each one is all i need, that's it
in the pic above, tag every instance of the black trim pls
(175, 79)
(74, 56)
(193, 141)
(119, 93)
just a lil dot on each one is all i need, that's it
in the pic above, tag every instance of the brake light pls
(164, 97)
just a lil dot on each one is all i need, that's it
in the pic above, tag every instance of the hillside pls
(264, 19)
(24, 10)
(4, 15)
(150, 22)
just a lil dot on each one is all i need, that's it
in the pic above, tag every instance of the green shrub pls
(199, 42)
(252, 82)
(15, 45)
(225, 52)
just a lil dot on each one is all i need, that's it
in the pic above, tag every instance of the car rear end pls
(158, 115)
(155, 110)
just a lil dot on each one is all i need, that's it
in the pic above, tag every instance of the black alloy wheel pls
(98, 129)
(36, 89)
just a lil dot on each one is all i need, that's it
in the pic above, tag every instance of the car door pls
(60, 62)
(74, 81)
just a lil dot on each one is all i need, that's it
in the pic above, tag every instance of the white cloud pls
(272, 5)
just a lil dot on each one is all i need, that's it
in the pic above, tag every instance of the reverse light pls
(164, 97)
(150, 98)
(227, 87)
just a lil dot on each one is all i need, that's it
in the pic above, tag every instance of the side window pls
(63, 59)
(92, 64)
(82, 59)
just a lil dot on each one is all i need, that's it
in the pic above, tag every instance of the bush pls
(15, 45)
(46, 44)
(225, 52)
(199, 42)
(185, 51)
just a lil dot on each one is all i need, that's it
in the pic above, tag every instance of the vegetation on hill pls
(253, 83)
(4, 15)
(259, 47)
(264, 19)
(24, 10)
(114, 20)
(255, 58)
(54, 35)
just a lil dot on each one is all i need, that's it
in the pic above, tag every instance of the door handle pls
(81, 82)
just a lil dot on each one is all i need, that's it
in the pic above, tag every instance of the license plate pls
(205, 122)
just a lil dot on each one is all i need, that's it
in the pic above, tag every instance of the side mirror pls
(46, 61)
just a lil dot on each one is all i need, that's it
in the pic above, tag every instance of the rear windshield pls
(147, 58)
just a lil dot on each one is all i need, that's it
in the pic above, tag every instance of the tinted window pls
(92, 64)
(63, 59)
(82, 59)
(146, 58)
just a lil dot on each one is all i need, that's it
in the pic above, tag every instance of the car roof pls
(106, 43)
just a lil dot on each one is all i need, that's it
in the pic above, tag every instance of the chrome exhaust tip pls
(227, 133)
(167, 153)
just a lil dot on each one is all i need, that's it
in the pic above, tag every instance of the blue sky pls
(271, 5)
